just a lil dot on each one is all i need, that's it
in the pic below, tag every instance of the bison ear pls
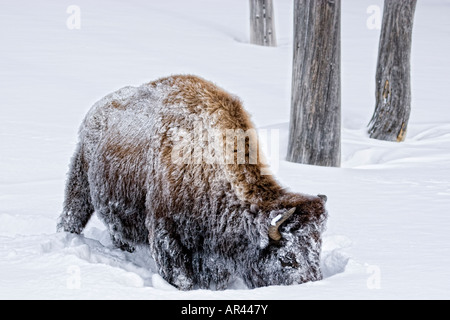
(276, 222)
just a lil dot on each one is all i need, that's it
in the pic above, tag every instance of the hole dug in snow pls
(333, 259)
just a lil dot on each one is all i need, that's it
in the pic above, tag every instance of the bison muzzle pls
(208, 219)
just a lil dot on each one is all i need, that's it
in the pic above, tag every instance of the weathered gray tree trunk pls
(315, 126)
(262, 25)
(393, 75)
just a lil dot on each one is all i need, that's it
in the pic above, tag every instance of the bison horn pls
(276, 222)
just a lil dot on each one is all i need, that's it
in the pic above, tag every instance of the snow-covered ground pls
(388, 233)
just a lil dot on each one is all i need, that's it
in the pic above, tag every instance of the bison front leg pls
(172, 259)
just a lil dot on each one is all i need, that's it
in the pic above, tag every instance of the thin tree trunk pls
(262, 25)
(315, 127)
(393, 75)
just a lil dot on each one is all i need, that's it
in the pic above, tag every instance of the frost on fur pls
(206, 221)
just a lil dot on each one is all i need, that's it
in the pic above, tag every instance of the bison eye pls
(288, 260)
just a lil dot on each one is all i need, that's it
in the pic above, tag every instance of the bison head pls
(289, 251)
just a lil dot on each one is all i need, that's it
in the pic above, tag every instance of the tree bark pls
(315, 126)
(262, 25)
(393, 75)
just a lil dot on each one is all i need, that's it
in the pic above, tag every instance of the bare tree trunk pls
(262, 25)
(315, 127)
(393, 79)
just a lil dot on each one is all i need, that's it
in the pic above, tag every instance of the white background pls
(388, 231)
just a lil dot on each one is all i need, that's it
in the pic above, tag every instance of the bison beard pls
(206, 222)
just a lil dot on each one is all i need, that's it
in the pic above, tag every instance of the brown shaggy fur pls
(202, 96)
(205, 222)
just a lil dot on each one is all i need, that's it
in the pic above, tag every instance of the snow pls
(275, 220)
(388, 230)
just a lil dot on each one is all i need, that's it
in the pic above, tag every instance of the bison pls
(206, 222)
